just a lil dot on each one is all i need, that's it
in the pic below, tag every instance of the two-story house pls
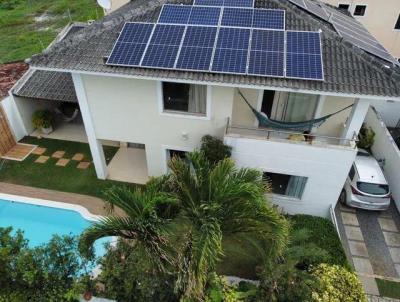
(156, 113)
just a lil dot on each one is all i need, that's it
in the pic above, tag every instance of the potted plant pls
(43, 120)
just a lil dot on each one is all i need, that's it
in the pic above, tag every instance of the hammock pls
(265, 121)
(65, 117)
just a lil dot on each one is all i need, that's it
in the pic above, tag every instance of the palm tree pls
(217, 201)
(138, 220)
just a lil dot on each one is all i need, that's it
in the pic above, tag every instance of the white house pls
(154, 114)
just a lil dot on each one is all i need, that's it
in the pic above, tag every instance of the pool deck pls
(93, 204)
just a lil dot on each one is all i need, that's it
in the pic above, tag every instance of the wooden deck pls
(19, 152)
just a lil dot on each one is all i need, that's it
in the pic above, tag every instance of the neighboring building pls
(154, 114)
(380, 17)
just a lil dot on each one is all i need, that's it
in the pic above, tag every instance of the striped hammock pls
(265, 121)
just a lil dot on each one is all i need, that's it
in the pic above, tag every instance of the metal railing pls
(268, 134)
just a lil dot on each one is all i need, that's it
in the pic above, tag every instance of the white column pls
(95, 146)
(356, 119)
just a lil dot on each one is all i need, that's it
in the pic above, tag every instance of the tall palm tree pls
(217, 201)
(137, 220)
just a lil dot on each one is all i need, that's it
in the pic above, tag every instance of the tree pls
(214, 149)
(217, 201)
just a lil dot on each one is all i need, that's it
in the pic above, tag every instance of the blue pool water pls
(40, 223)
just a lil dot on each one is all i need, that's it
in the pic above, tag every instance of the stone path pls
(62, 161)
(372, 242)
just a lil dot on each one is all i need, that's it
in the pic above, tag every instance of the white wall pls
(14, 118)
(127, 110)
(385, 148)
(389, 111)
(325, 167)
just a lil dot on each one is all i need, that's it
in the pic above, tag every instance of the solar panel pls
(131, 44)
(231, 50)
(299, 3)
(164, 46)
(316, 9)
(239, 3)
(240, 17)
(175, 14)
(268, 40)
(209, 2)
(197, 48)
(269, 18)
(303, 55)
(203, 15)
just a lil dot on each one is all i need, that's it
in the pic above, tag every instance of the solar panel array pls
(227, 3)
(347, 27)
(238, 41)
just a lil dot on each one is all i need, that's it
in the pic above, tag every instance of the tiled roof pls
(47, 85)
(348, 69)
(9, 74)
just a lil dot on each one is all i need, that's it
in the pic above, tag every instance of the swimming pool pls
(40, 220)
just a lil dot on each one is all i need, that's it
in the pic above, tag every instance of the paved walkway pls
(372, 242)
(93, 204)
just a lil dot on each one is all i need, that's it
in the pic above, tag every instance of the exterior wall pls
(389, 112)
(326, 169)
(380, 19)
(127, 110)
(241, 113)
(385, 148)
(14, 118)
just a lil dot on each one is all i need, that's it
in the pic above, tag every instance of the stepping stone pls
(369, 284)
(78, 157)
(363, 265)
(62, 162)
(395, 254)
(42, 159)
(58, 154)
(387, 224)
(39, 151)
(349, 218)
(353, 233)
(392, 239)
(83, 165)
(358, 248)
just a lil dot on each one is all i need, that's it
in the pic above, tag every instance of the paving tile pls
(42, 159)
(83, 165)
(58, 154)
(39, 151)
(78, 157)
(387, 224)
(363, 265)
(392, 239)
(346, 208)
(358, 248)
(369, 284)
(349, 218)
(353, 233)
(62, 162)
(395, 254)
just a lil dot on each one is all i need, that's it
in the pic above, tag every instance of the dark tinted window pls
(344, 6)
(360, 10)
(352, 172)
(176, 96)
(373, 189)
(284, 184)
(397, 26)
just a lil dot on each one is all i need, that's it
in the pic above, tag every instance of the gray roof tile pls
(347, 69)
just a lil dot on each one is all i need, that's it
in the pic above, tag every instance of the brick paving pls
(83, 165)
(62, 162)
(58, 154)
(39, 151)
(42, 159)
(78, 157)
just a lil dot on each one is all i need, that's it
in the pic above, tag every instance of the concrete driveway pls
(372, 243)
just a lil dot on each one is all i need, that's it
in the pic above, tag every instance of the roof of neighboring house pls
(47, 85)
(9, 74)
(348, 69)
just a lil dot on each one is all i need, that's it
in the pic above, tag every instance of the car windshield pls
(373, 189)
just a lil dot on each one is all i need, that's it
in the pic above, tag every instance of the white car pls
(366, 186)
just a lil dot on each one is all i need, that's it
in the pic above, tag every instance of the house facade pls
(156, 114)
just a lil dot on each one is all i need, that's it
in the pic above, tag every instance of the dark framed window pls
(288, 185)
(188, 98)
(177, 153)
(352, 172)
(360, 10)
(344, 6)
(397, 25)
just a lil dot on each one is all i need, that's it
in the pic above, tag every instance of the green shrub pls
(366, 138)
(322, 233)
(214, 149)
(10, 4)
(42, 119)
(337, 285)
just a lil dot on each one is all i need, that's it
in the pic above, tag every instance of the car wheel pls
(342, 197)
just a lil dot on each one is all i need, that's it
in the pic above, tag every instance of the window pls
(288, 185)
(344, 6)
(360, 10)
(184, 98)
(397, 26)
(352, 173)
(373, 189)
(177, 153)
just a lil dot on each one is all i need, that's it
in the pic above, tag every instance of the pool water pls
(40, 223)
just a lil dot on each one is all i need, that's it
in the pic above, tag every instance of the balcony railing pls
(288, 136)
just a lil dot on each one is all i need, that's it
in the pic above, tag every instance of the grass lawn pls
(50, 176)
(388, 289)
(30, 25)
